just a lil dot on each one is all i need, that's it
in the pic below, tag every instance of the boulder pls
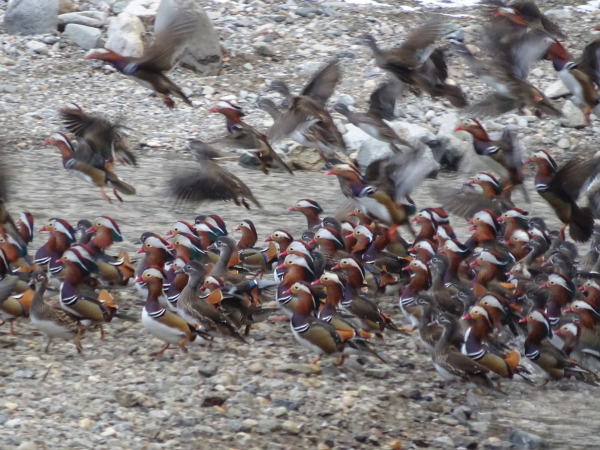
(31, 17)
(556, 90)
(85, 37)
(141, 8)
(88, 18)
(124, 35)
(203, 51)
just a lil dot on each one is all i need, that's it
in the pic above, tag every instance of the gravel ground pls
(261, 395)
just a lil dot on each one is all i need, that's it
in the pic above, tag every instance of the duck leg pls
(78, 345)
(102, 333)
(314, 361)
(341, 361)
(181, 344)
(161, 351)
(11, 332)
(117, 195)
(168, 101)
(48, 346)
(104, 194)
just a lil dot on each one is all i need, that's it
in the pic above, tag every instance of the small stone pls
(38, 47)
(306, 11)
(380, 373)
(86, 424)
(266, 426)
(447, 420)
(413, 394)
(11, 406)
(208, 370)
(264, 50)
(563, 143)
(214, 399)
(110, 431)
(291, 427)
(524, 439)
(573, 117)
(4, 61)
(256, 368)
(302, 369)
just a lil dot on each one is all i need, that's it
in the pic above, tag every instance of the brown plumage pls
(208, 181)
(148, 70)
(419, 63)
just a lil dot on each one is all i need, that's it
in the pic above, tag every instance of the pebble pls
(38, 47)
(563, 143)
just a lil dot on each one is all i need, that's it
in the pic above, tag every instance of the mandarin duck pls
(53, 322)
(589, 61)
(306, 121)
(507, 77)
(12, 304)
(582, 89)
(319, 336)
(419, 63)
(561, 188)
(554, 362)
(119, 269)
(212, 224)
(261, 146)
(311, 210)
(162, 323)
(197, 310)
(505, 151)
(381, 106)
(580, 343)
(505, 364)
(97, 174)
(62, 236)
(562, 292)
(208, 181)
(99, 139)
(450, 363)
(148, 70)
(420, 281)
(525, 13)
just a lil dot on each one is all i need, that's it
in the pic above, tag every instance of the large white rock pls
(142, 8)
(124, 35)
(203, 53)
(31, 17)
(85, 37)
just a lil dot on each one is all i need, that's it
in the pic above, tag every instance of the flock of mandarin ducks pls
(512, 277)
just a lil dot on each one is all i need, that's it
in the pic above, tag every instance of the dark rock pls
(214, 399)
(208, 370)
(524, 439)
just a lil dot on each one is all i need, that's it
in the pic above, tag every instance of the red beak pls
(311, 242)
(582, 288)
(329, 172)
(138, 280)
(316, 282)
(473, 228)
(406, 268)
(169, 233)
(268, 239)
(523, 320)
(237, 228)
(458, 129)
(170, 247)
(410, 249)
(42, 229)
(352, 214)
(336, 267)
(288, 292)
(141, 250)
(544, 286)
(473, 263)
(466, 317)
(349, 235)
(568, 310)
(415, 219)
(280, 266)
(90, 230)
(292, 208)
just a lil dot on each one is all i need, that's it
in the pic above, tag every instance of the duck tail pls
(581, 224)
